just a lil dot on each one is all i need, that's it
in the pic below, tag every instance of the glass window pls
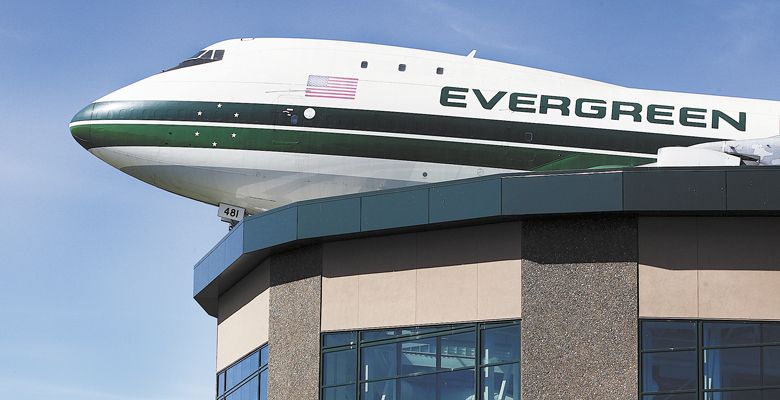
(458, 351)
(427, 363)
(739, 395)
(339, 393)
(731, 333)
(418, 387)
(364, 64)
(264, 384)
(402, 67)
(770, 333)
(418, 356)
(677, 396)
(243, 369)
(669, 371)
(264, 356)
(771, 366)
(207, 55)
(221, 384)
(339, 367)
(458, 385)
(218, 54)
(668, 335)
(732, 368)
(338, 339)
(379, 362)
(501, 382)
(439, 71)
(247, 391)
(501, 344)
(381, 390)
(378, 334)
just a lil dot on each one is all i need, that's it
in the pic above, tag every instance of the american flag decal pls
(332, 87)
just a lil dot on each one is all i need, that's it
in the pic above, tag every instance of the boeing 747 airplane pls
(259, 123)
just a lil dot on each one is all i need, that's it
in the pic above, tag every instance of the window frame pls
(437, 332)
(222, 374)
(700, 392)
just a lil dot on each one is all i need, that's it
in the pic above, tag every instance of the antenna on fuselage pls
(472, 54)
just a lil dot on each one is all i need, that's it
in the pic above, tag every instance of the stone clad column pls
(294, 324)
(579, 307)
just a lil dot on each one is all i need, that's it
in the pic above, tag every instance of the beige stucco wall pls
(242, 322)
(451, 275)
(709, 267)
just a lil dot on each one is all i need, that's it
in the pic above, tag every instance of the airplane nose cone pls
(81, 132)
(82, 135)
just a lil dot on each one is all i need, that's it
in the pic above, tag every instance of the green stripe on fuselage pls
(316, 142)
(387, 122)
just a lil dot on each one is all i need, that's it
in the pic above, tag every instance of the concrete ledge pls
(619, 192)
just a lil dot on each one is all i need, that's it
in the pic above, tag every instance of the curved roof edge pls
(631, 191)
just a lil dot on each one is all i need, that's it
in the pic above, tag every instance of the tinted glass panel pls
(772, 366)
(338, 339)
(771, 333)
(669, 371)
(458, 351)
(732, 368)
(264, 385)
(382, 390)
(418, 387)
(221, 384)
(418, 356)
(501, 344)
(247, 391)
(243, 369)
(668, 334)
(738, 395)
(728, 333)
(264, 356)
(379, 334)
(457, 385)
(218, 54)
(208, 55)
(771, 394)
(679, 396)
(339, 367)
(379, 362)
(339, 393)
(501, 381)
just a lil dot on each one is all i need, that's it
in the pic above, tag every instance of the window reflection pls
(428, 363)
(734, 360)
(246, 379)
(501, 382)
(338, 367)
(669, 371)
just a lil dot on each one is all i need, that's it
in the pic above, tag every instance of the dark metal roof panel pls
(632, 191)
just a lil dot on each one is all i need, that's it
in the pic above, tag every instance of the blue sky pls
(96, 288)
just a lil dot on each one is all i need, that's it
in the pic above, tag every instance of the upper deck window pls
(402, 67)
(364, 64)
(201, 57)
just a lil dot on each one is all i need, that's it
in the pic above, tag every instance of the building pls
(617, 284)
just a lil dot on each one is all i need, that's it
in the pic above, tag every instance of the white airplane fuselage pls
(260, 123)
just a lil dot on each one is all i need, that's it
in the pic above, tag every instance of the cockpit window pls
(201, 57)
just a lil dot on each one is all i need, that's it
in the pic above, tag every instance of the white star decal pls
(214, 144)
(235, 115)
(197, 133)
(233, 135)
(200, 113)
(219, 105)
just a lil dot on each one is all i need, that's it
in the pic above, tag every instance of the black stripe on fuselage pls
(389, 122)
